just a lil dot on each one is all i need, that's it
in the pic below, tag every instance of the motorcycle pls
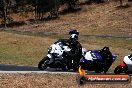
(125, 67)
(57, 51)
(93, 61)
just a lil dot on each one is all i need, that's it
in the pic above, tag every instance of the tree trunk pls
(35, 15)
(129, 0)
(5, 13)
(121, 3)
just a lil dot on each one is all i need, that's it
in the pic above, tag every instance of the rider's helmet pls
(73, 31)
(105, 49)
(130, 56)
(74, 34)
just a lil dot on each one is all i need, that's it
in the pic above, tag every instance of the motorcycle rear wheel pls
(75, 67)
(43, 63)
(119, 70)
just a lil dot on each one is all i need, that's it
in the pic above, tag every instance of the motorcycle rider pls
(76, 48)
(107, 56)
(130, 56)
(105, 53)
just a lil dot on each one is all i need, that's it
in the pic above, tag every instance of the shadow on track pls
(5, 67)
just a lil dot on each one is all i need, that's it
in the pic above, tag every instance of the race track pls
(4, 68)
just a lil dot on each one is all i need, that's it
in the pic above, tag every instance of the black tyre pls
(64, 68)
(97, 66)
(119, 70)
(43, 63)
(106, 65)
(75, 67)
(81, 80)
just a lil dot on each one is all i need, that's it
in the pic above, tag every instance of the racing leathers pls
(76, 50)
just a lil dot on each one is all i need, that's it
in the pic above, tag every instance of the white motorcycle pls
(125, 66)
(55, 57)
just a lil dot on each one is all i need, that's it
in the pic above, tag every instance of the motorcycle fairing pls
(129, 67)
(128, 62)
(86, 64)
(56, 49)
(123, 64)
(96, 55)
(88, 56)
(49, 56)
(93, 54)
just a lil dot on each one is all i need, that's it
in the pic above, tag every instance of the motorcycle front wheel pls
(43, 63)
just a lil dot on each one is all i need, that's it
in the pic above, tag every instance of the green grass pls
(26, 46)
(22, 49)
(29, 49)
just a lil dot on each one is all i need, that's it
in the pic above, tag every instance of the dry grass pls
(49, 81)
(22, 49)
(28, 50)
(95, 19)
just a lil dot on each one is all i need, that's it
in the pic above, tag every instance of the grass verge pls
(29, 48)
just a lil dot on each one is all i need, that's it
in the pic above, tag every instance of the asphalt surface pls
(4, 68)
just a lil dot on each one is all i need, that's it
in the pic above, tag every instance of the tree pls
(3, 8)
(121, 3)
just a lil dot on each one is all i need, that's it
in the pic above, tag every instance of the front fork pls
(51, 58)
